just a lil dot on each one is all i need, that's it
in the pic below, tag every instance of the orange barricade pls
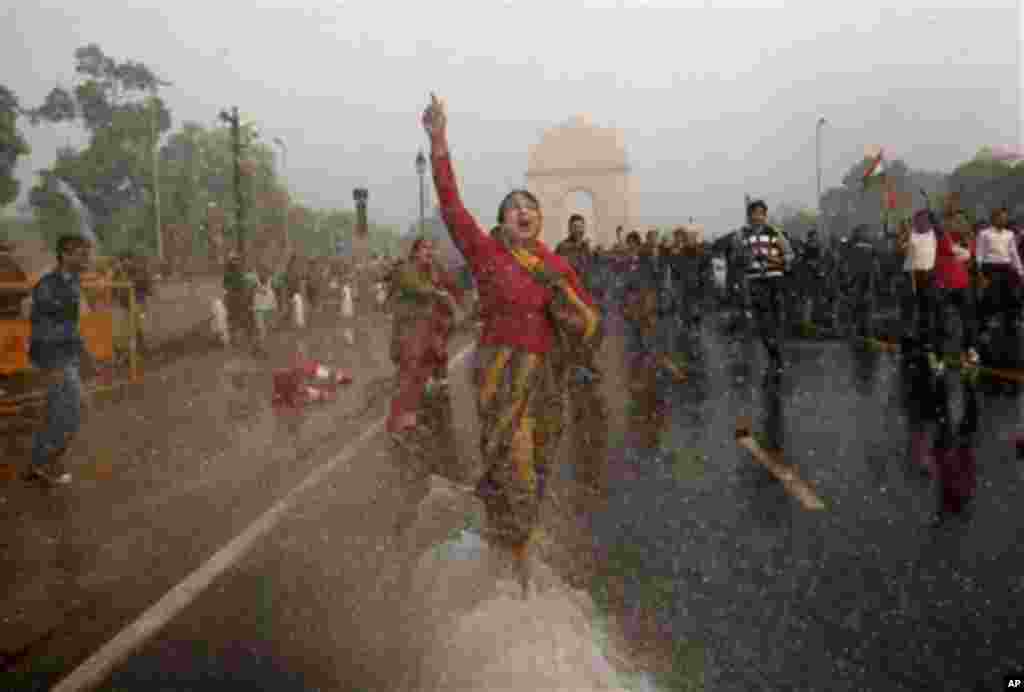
(96, 328)
(14, 339)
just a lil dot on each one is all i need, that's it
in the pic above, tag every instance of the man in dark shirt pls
(57, 348)
(810, 276)
(862, 269)
(764, 254)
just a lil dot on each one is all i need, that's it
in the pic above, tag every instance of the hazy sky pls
(714, 99)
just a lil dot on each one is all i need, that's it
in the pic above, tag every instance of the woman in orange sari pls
(424, 302)
(538, 323)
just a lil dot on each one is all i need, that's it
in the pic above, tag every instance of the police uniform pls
(862, 271)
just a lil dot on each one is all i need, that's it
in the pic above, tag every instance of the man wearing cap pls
(57, 348)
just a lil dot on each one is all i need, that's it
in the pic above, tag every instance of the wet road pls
(862, 596)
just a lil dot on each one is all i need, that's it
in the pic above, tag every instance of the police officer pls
(811, 276)
(862, 272)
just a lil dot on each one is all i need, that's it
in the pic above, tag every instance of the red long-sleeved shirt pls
(512, 303)
(951, 272)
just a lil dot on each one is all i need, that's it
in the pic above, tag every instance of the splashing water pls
(85, 225)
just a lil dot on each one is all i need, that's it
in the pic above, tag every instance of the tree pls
(118, 105)
(12, 146)
(986, 182)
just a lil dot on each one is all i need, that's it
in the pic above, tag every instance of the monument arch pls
(580, 156)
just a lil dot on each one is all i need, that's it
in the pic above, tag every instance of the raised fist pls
(434, 117)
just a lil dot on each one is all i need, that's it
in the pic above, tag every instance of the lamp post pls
(360, 240)
(360, 195)
(154, 104)
(421, 169)
(287, 201)
(817, 159)
(235, 122)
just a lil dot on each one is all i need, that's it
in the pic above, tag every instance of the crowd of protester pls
(543, 315)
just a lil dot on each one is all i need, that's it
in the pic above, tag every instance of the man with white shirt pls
(998, 262)
(919, 306)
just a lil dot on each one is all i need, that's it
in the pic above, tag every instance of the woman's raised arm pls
(463, 228)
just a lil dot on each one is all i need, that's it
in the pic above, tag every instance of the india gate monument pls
(578, 156)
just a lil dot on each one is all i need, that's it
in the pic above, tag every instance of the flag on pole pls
(876, 167)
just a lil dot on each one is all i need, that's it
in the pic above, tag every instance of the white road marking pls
(97, 667)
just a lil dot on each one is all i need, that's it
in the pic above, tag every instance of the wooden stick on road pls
(956, 363)
(791, 481)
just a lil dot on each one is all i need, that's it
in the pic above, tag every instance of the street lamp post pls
(360, 243)
(817, 159)
(234, 121)
(421, 169)
(284, 167)
(154, 104)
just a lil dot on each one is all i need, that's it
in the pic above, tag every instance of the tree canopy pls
(118, 104)
(12, 145)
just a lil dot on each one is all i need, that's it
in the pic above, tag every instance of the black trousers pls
(862, 301)
(920, 308)
(767, 301)
(999, 298)
(961, 301)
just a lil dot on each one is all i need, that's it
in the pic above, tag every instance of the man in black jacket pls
(862, 270)
(763, 254)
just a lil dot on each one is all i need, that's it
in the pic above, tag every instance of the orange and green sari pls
(522, 402)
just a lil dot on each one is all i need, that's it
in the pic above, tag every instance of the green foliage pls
(54, 214)
(12, 146)
(14, 228)
(985, 183)
(117, 104)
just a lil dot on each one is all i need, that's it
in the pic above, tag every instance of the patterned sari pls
(522, 402)
(421, 329)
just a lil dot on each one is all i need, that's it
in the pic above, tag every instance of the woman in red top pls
(424, 299)
(537, 321)
(953, 255)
